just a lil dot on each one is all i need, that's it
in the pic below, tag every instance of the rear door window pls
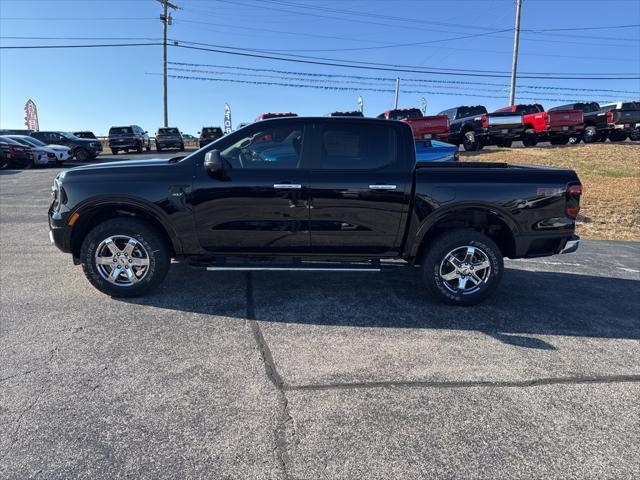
(357, 147)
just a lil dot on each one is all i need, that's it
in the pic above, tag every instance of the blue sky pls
(95, 88)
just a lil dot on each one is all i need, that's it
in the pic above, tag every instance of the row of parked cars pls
(474, 127)
(25, 148)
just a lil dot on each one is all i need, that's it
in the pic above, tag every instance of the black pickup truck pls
(318, 193)
(474, 127)
(615, 121)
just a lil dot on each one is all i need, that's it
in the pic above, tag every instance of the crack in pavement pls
(536, 382)
(286, 424)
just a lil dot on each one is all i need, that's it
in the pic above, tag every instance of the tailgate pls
(504, 119)
(425, 127)
(626, 117)
(562, 118)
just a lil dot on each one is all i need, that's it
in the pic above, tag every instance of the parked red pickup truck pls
(540, 126)
(423, 127)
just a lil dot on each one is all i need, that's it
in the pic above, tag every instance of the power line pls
(298, 77)
(93, 45)
(384, 67)
(356, 89)
(331, 62)
(390, 79)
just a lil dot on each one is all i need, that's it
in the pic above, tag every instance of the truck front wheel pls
(462, 267)
(125, 257)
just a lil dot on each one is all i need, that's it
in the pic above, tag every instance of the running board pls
(297, 265)
(295, 269)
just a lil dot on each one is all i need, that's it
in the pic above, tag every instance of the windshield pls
(69, 135)
(84, 134)
(587, 107)
(400, 114)
(464, 112)
(168, 131)
(31, 141)
(212, 131)
(120, 130)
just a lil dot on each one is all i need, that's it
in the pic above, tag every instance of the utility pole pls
(514, 65)
(166, 21)
(395, 103)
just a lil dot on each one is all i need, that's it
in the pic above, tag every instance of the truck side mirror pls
(212, 161)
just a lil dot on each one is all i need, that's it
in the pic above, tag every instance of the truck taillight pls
(609, 117)
(574, 191)
(485, 123)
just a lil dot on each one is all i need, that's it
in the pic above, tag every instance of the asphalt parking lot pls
(307, 376)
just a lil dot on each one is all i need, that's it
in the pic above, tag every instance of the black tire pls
(158, 148)
(182, 147)
(574, 139)
(149, 246)
(618, 136)
(471, 142)
(504, 143)
(634, 136)
(139, 148)
(529, 138)
(435, 262)
(559, 140)
(114, 151)
(590, 134)
(81, 154)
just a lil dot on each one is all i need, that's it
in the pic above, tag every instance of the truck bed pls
(426, 128)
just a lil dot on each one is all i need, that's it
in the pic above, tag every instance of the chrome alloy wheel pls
(121, 260)
(465, 270)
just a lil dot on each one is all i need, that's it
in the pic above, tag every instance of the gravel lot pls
(296, 375)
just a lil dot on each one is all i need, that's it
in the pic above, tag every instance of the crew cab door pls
(360, 187)
(259, 202)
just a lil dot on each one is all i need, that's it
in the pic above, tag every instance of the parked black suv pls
(169, 138)
(131, 137)
(209, 134)
(83, 149)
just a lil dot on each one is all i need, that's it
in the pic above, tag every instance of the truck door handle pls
(289, 186)
(378, 186)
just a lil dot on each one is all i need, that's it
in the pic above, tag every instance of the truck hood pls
(113, 166)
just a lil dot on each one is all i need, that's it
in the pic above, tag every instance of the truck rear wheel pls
(471, 142)
(574, 139)
(125, 257)
(590, 134)
(462, 267)
(530, 138)
(618, 136)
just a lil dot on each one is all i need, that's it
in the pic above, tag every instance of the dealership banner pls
(31, 116)
(227, 118)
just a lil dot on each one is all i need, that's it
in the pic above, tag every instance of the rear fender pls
(477, 211)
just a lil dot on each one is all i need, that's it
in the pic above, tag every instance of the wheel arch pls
(93, 214)
(493, 223)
